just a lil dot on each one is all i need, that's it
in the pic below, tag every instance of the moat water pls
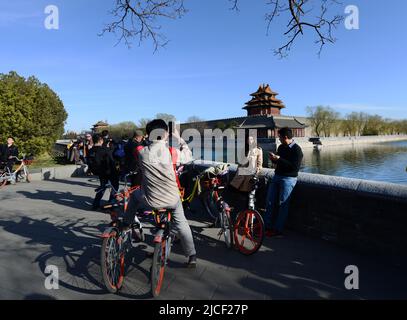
(380, 162)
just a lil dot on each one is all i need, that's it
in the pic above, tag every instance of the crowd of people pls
(154, 160)
(154, 163)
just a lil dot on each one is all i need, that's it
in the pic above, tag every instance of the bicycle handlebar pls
(14, 157)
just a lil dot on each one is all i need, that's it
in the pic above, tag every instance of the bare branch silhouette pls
(141, 19)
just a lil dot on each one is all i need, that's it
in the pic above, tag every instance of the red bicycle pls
(246, 233)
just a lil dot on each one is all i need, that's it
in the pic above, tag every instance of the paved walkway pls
(48, 223)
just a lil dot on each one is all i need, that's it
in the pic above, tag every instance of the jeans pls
(283, 186)
(179, 224)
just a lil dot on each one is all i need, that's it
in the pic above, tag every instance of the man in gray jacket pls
(159, 186)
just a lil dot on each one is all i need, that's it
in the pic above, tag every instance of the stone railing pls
(364, 216)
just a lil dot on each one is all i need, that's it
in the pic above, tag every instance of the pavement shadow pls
(74, 247)
(58, 197)
(82, 182)
(282, 268)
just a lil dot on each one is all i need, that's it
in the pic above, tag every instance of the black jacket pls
(102, 162)
(6, 152)
(290, 160)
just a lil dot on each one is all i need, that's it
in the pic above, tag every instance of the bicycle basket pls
(28, 162)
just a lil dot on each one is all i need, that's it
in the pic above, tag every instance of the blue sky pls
(215, 59)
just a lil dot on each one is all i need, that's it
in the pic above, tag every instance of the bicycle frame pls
(120, 195)
(11, 176)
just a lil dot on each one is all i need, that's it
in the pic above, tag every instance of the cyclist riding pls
(159, 186)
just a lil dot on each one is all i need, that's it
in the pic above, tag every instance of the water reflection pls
(382, 162)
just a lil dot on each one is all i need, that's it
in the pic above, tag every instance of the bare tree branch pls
(300, 18)
(140, 19)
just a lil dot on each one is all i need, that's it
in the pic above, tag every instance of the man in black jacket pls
(103, 165)
(288, 160)
(8, 152)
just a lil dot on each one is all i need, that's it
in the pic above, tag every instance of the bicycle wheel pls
(112, 263)
(27, 175)
(158, 267)
(209, 204)
(23, 176)
(248, 232)
(226, 228)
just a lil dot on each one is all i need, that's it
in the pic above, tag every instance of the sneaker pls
(191, 262)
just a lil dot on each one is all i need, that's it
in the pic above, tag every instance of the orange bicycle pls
(120, 197)
(248, 231)
(117, 242)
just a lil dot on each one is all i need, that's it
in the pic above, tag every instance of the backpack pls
(119, 151)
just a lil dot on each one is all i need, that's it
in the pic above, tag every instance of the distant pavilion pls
(99, 126)
(263, 114)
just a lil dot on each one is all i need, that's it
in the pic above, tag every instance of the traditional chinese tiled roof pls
(101, 124)
(264, 97)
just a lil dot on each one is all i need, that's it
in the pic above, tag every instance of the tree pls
(31, 112)
(122, 130)
(70, 135)
(195, 119)
(140, 19)
(220, 125)
(166, 117)
(374, 125)
(331, 118)
(338, 127)
(322, 119)
(354, 123)
(142, 123)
